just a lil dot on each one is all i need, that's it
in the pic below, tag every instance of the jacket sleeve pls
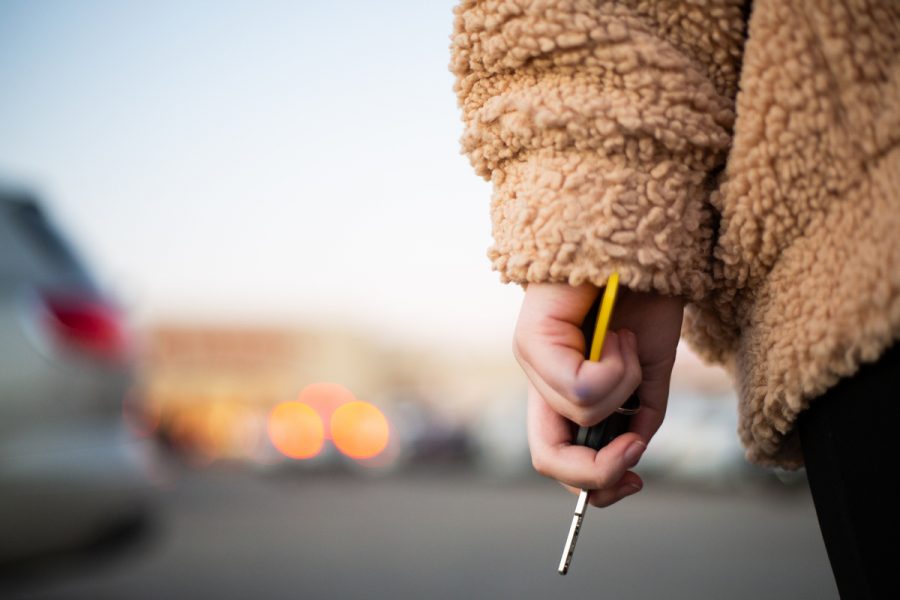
(600, 125)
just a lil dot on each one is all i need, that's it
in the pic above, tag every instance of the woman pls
(738, 166)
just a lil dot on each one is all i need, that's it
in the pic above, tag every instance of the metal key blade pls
(574, 530)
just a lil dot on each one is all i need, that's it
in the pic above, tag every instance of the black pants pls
(850, 446)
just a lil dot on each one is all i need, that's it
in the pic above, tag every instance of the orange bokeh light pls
(296, 430)
(359, 430)
(325, 397)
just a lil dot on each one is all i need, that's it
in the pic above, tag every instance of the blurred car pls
(408, 433)
(501, 439)
(71, 470)
(427, 437)
(697, 442)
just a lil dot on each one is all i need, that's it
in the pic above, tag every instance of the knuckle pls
(601, 481)
(539, 465)
(520, 347)
(616, 368)
(583, 418)
(634, 377)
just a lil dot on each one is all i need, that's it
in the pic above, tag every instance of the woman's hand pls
(638, 354)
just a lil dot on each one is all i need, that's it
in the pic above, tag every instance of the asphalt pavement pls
(449, 534)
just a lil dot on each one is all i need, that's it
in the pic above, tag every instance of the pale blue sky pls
(260, 160)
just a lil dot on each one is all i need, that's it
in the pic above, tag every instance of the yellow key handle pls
(594, 328)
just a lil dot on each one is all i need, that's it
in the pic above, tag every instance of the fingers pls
(554, 455)
(654, 395)
(649, 419)
(630, 484)
(549, 346)
(598, 388)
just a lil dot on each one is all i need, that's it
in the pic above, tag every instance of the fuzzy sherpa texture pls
(616, 139)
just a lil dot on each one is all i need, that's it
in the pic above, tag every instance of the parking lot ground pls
(450, 534)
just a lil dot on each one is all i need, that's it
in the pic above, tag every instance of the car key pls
(596, 437)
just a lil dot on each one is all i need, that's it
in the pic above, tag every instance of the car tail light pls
(87, 324)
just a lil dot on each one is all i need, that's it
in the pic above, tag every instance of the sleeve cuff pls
(575, 217)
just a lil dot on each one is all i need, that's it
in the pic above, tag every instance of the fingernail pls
(631, 488)
(583, 392)
(633, 453)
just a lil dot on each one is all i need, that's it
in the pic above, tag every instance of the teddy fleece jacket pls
(745, 159)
